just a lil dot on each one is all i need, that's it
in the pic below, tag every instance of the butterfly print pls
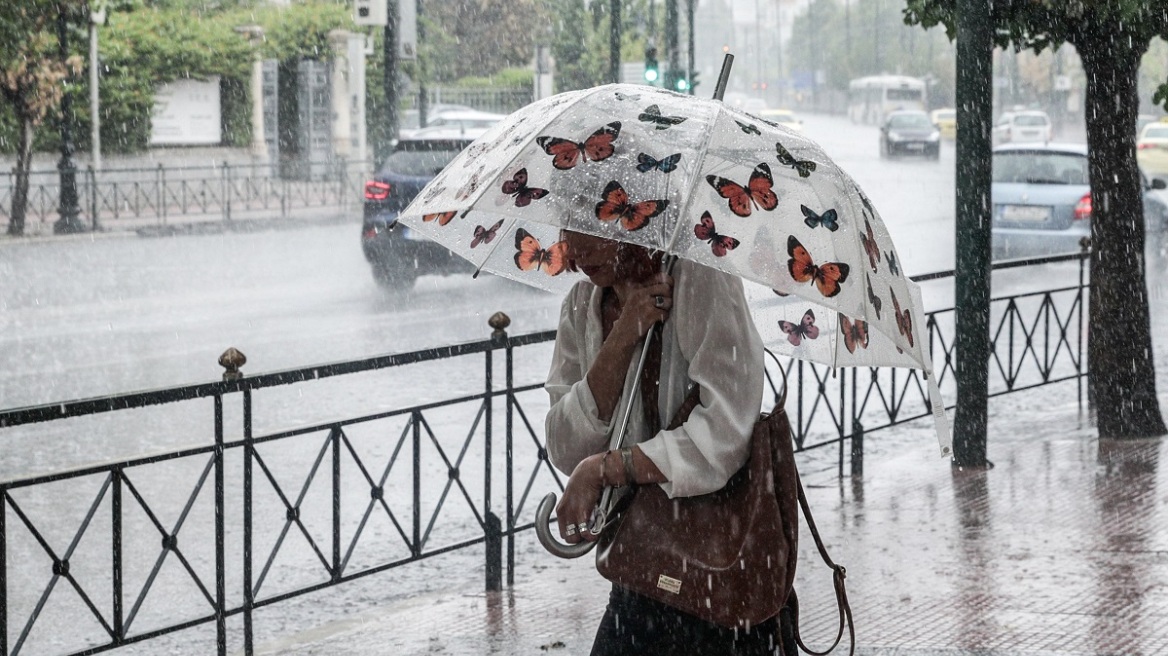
(748, 128)
(529, 256)
(868, 241)
(485, 235)
(855, 333)
(470, 187)
(652, 114)
(893, 266)
(517, 188)
(827, 276)
(433, 193)
(829, 219)
(805, 329)
(567, 153)
(633, 216)
(647, 163)
(903, 319)
(442, 217)
(803, 166)
(718, 243)
(758, 191)
(873, 299)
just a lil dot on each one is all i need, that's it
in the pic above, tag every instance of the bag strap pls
(838, 576)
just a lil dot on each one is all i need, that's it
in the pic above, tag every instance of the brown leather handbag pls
(727, 557)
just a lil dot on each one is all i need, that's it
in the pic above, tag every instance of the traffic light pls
(681, 84)
(652, 71)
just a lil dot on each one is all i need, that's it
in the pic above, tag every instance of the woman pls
(709, 340)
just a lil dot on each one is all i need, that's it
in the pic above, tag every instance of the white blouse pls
(709, 339)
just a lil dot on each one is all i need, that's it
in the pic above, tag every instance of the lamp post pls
(96, 17)
(69, 208)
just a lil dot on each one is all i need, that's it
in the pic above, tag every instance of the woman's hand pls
(581, 496)
(644, 304)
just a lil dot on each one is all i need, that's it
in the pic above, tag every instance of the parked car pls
(909, 132)
(946, 122)
(410, 119)
(783, 117)
(397, 256)
(1152, 148)
(466, 120)
(1027, 126)
(1042, 200)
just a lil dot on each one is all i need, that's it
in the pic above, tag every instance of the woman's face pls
(604, 261)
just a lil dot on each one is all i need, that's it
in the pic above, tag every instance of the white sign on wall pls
(187, 113)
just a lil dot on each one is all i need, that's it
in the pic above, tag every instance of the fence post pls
(91, 174)
(1084, 253)
(225, 194)
(220, 536)
(116, 549)
(4, 569)
(494, 526)
(159, 180)
(857, 448)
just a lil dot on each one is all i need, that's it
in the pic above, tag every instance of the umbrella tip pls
(723, 76)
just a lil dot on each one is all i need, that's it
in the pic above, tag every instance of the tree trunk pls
(23, 164)
(1121, 371)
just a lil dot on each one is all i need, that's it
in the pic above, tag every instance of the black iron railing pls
(383, 489)
(224, 191)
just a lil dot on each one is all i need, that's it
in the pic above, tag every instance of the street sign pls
(407, 29)
(370, 12)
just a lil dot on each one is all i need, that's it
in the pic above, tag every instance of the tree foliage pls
(1111, 37)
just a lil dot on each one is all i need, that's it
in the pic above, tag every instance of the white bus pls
(871, 98)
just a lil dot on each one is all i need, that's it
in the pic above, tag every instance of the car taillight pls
(369, 233)
(1083, 208)
(1144, 146)
(375, 190)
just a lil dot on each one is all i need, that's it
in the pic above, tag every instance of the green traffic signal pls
(681, 84)
(652, 71)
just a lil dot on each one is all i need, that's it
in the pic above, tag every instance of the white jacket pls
(709, 339)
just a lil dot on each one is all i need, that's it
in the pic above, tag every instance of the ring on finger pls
(582, 527)
(659, 302)
(571, 530)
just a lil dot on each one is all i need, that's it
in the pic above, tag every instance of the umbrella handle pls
(543, 530)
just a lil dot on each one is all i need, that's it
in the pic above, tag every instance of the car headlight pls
(894, 136)
(935, 136)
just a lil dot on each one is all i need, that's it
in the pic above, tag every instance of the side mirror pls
(1159, 183)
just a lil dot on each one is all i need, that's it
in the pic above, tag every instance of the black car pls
(397, 256)
(909, 133)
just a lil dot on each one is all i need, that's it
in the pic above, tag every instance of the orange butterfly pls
(442, 217)
(903, 319)
(633, 216)
(827, 276)
(567, 153)
(855, 333)
(757, 191)
(869, 242)
(530, 256)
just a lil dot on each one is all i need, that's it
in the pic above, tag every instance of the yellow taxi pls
(783, 117)
(946, 122)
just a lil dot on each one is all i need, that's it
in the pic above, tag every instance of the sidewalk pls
(1061, 548)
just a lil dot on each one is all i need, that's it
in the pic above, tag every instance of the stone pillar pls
(342, 132)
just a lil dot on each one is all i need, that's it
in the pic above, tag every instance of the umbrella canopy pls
(696, 179)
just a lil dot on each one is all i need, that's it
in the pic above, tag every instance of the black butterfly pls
(893, 266)
(652, 114)
(648, 163)
(747, 127)
(803, 166)
(829, 219)
(877, 304)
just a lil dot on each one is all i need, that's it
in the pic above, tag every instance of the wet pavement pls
(1060, 548)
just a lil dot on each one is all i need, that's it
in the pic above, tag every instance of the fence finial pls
(499, 321)
(231, 360)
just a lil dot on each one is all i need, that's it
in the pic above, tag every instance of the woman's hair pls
(629, 253)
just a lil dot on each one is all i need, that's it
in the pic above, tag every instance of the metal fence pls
(432, 493)
(156, 196)
(498, 100)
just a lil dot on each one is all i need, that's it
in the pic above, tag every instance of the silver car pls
(1042, 201)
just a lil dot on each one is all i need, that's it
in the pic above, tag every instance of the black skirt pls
(635, 624)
